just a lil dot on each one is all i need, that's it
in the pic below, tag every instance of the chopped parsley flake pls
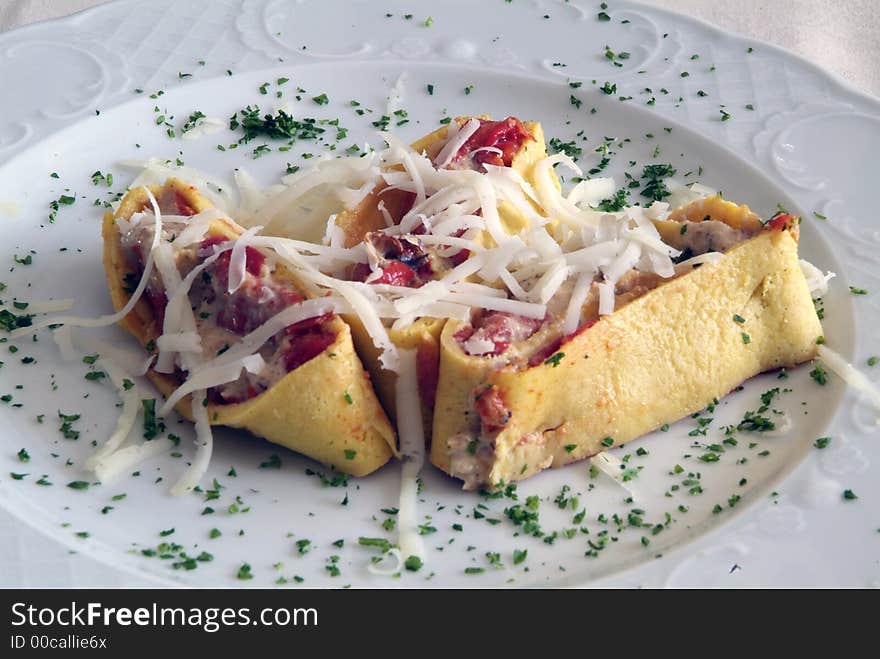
(819, 375)
(278, 126)
(615, 203)
(9, 321)
(67, 421)
(274, 462)
(570, 149)
(383, 544)
(653, 178)
(152, 428)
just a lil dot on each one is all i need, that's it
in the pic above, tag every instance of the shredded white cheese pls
(412, 447)
(394, 567)
(213, 376)
(613, 467)
(817, 282)
(112, 319)
(204, 447)
(854, 378)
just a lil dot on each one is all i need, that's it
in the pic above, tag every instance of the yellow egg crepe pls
(666, 351)
(324, 407)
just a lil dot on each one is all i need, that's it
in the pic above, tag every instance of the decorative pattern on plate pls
(81, 74)
(843, 458)
(781, 520)
(817, 490)
(711, 567)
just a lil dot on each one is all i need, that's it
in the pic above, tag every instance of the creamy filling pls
(470, 459)
(403, 261)
(709, 236)
(493, 143)
(222, 318)
(494, 333)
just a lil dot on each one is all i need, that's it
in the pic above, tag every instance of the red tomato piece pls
(508, 135)
(490, 406)
(396, 273)
(304, 347)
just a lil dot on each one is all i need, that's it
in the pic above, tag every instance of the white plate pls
(515, 73)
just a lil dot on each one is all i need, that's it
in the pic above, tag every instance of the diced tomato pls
(464, 333)
(403, 260)
(183, 207)
(210, 241)
(583, 328)
(289, 296)
(254, 260)
(783, 222)
(307, 324)
(306, 346)
(396, 273)
(504, 328)
(236, 315)
(173, 202)
(541, 356)
(158, 301)
(360, 272)
(460, 257)
(490, 406)
(501, 346)
(551, 348)
(508, 135)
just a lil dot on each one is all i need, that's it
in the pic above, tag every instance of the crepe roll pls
(536, 398)
(302, 385)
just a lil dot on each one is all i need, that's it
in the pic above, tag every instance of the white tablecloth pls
(842, 37)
